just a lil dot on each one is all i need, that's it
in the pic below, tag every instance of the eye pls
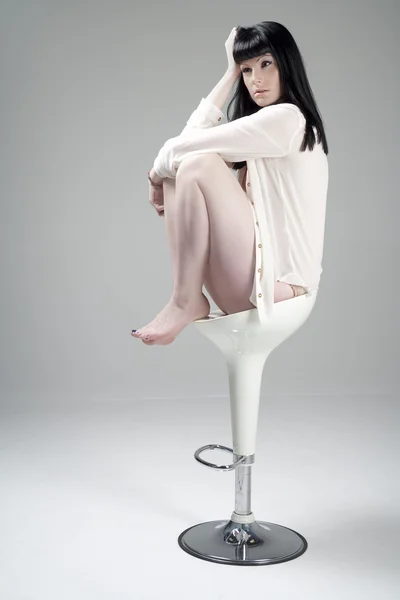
(263, 62)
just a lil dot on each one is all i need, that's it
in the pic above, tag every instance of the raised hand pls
(232, 66)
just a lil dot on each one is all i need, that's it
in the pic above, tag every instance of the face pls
(262, 73)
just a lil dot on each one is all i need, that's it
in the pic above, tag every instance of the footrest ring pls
(214, 466)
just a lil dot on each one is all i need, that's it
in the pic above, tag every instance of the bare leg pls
(211, 236)
(187, 226)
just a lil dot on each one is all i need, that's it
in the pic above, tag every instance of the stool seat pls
(246, 343)
(244, 328)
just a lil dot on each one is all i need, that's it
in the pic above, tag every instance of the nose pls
(257, 80)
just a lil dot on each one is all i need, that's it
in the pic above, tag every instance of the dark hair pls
(274, 38)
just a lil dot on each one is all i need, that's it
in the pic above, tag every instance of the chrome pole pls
(242, 489)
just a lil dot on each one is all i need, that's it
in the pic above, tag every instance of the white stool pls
(246, 345)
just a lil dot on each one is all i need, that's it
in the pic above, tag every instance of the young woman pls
(244, 202)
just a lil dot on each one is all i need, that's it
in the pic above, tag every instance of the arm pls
(220, 92)
(208, 113)
(269, 132)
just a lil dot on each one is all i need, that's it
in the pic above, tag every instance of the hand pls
(154, 177)
(232, 66)
(156, 198)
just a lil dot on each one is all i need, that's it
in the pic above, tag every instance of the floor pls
(94, 496)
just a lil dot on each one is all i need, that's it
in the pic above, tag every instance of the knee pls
(195, 165)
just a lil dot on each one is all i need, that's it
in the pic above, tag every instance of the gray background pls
(90, 91)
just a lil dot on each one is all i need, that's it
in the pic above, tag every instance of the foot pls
(171, 320)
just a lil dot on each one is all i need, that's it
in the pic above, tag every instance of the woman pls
(244, 202)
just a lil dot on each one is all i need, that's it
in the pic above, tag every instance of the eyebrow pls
(267, 54)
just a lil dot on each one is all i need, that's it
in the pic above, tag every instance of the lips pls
(259, 91)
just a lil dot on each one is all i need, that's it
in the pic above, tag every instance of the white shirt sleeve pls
(205, 116)
(267, 133)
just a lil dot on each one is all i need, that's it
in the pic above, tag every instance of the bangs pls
(252, 48)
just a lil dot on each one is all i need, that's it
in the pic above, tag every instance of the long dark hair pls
(272, 37)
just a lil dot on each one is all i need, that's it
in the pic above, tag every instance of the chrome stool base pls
(231, 543)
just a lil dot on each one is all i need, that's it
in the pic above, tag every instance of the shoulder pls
(284, 109)
(286, 117)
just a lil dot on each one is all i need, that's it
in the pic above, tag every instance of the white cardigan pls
(287, 189)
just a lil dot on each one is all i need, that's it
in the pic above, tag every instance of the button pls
(260, 245)
(259, 270)
(256, 222)
(219, 118)
(251, 202)
(259, 295)
(248, 183)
